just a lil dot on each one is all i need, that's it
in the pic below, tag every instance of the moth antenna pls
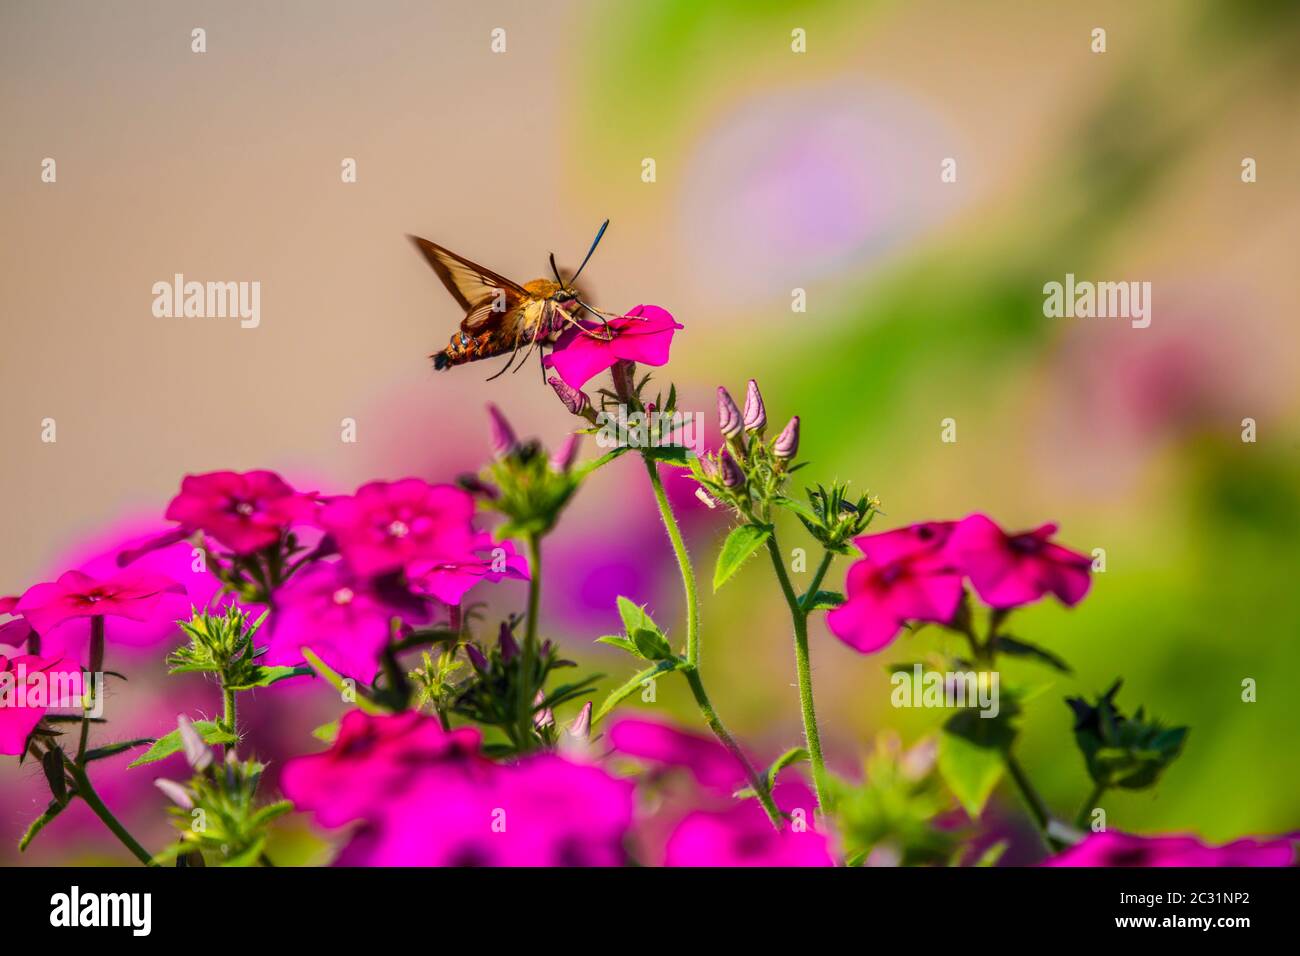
(594, 243)
(556, 271)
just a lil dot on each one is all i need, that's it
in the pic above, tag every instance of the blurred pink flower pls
(245, 512)
(343, 617)
(743, 836)
(1008, 570)
(16, 632)
(131, 593)
(449, 580)
(1126, 850)
(905, 577)
(706, 759)
(643, 335)
(372, 756)
(428, 798)
(738, 834)
(386, 526)
(22, 679)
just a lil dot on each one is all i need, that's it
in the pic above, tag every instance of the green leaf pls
(617, 640)
(651, 644)
(971, 757)
(268, 813)
(672, 454)
(52, 764)
(266, 676)
(634, 616)
(825, 600)
(617, 697)
(51, 811)
(740, 544)
(1015, 648)
(327, 732)
(209, 730)
(991, 855)
(112, 750)
(341, 684)
(798, 507)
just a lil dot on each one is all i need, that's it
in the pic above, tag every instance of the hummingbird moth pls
(502, 316)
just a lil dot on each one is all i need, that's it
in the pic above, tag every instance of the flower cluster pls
(462, 758)
(918, 573)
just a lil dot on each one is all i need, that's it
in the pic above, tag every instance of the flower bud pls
(545, 717)
(787, 443)
(197, 753)
(581, 725)
(755, 413)
(503, 436)
(175, 793)
(575, 400)
(567, 453)
(476, 658)
(728, 415)
(506, 642)
(731, 475)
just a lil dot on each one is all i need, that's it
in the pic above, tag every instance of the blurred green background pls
(775, 171)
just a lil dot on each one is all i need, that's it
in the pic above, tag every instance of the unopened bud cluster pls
(749, 469)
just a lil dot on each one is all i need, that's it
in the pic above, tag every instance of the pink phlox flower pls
(130, 593)
(906, 576)
(29, 686)
(644, 335)
(1110, 848)
(244, 512)
(449, 580)
(1008, 570)
(426, 797)
(343, 617)
(387, 526)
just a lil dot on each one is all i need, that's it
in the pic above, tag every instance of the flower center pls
(343, 596)
(244, 508)
(399, 529)
(1026, 544)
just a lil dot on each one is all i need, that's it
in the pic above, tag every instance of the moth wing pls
(482, 293)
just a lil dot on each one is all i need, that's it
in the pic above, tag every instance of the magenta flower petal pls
(245, 512)
(25, 680)
(130, 593)
(706, 759)
(1110, 848)
(643, 335)
(1008, 570)
(344, 618)
(387, 525)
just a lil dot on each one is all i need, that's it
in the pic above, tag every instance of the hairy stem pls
(528, 663)
(87, 793)
(692, 669)
(803, 667)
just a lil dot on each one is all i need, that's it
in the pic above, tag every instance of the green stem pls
(985, 653)
(692, 669)
(228, 709)
(1081, 820)
(87, 793)
(720, 731)
(1037, 809)
(683, 564)
(803, 666)
(528, 663)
